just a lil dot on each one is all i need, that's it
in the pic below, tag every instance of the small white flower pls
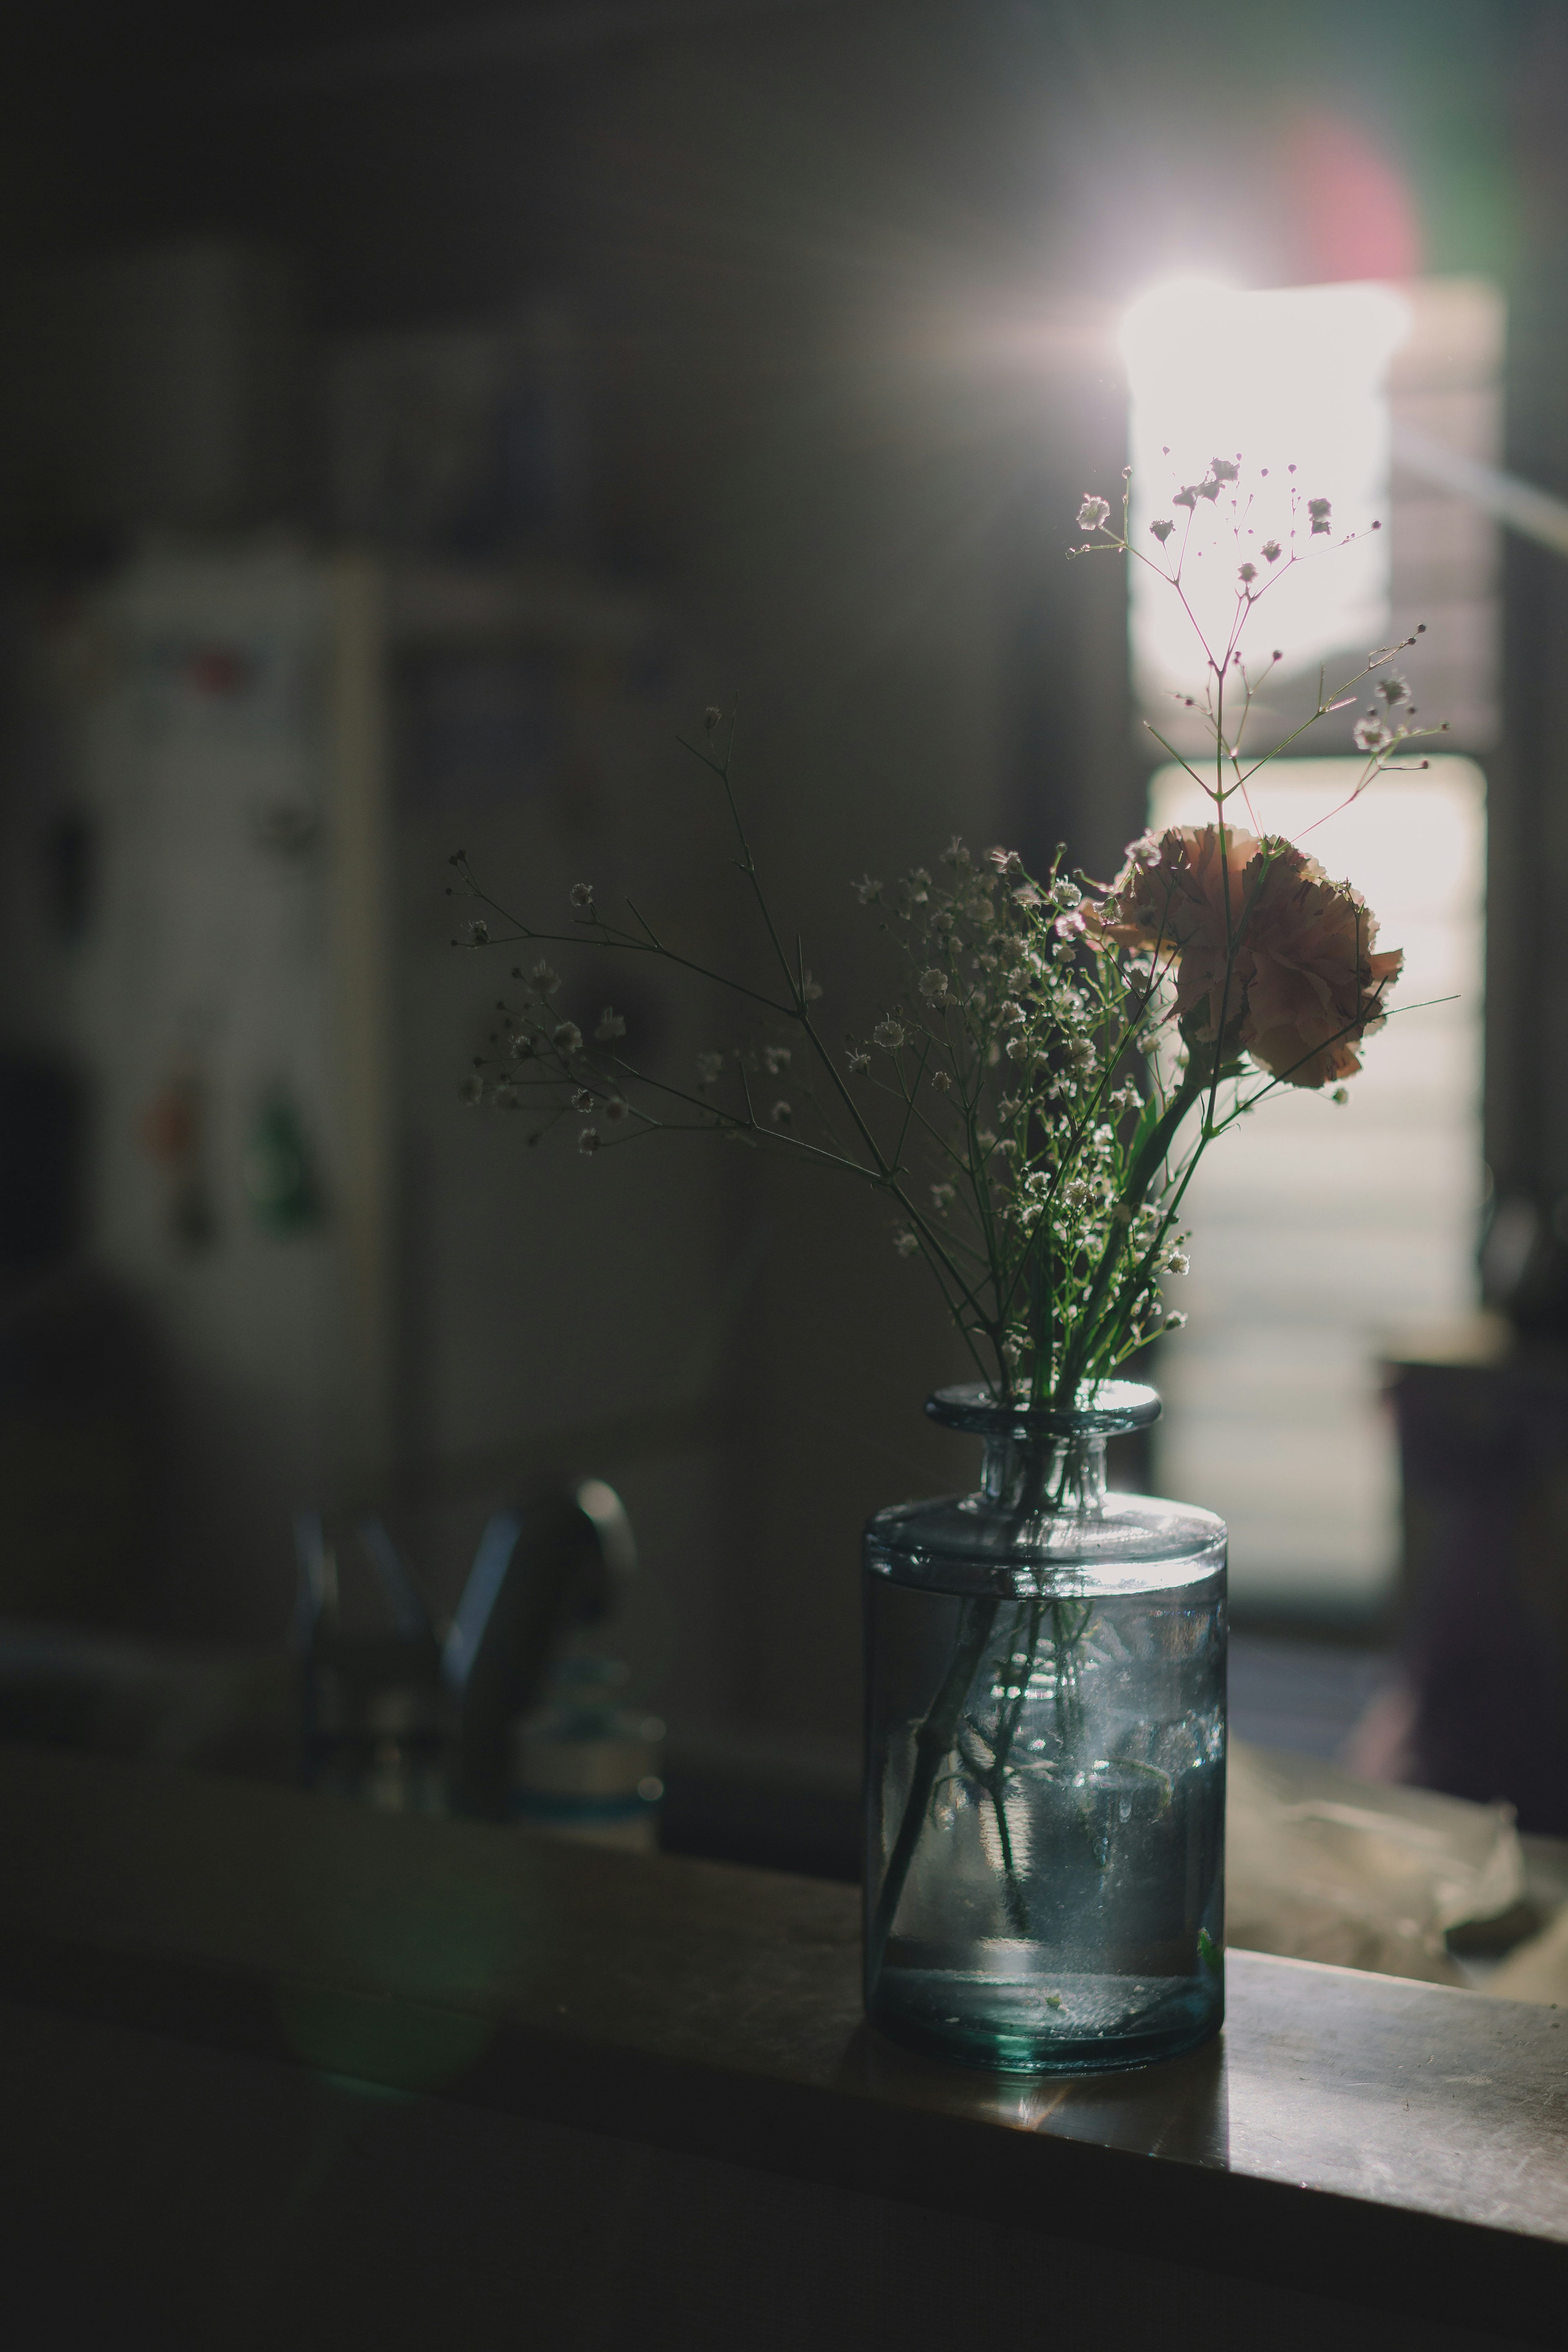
(859, 1063)
(543, 980)
(615, 1110)
(582, 894)
(583, 1101)
(1177, 1262)
(1093, 513)
(588, 1142)
(868, 889)
(505, 1097)
(566, 1037)
(781, 1114)
(1394, 689)
(957, 855)
(1175, 1322)
(1370, 734)
(1340, 1094)
(889, 1035)
(1248, 574)
(906, 1243)
(479, 934)
(709, 1068)
(941, 1195)
(986, 1139)
(521, 1047)
(1162, 530)
(810, 989)
(610, 1026)
(775, 1058)
(1320, 509)
(942, 1081)
(933, 985)
(1271, 551)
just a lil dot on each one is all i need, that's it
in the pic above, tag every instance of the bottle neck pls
(1060, 1475)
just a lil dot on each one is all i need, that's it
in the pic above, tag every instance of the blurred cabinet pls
(1483, 1443)
(234, 770)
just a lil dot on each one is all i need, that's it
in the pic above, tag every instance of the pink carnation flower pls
(1298, 982)
(1315, 984)
(1169, 903)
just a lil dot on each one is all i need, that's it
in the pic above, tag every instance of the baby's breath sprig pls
(1227, 702)
(1001, 1096)
(1050, 1057)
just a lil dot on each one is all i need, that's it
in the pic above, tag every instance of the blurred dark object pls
(70, 865)
(771, 1799)
(556, 1563)
(78, 1386)
(41, 1136)
(462, 440)
(1524, 1263)
(412, 1719)
(218, 1710)
(482, 726)
(1483, 1437)
(153, 388)
(370, 1668)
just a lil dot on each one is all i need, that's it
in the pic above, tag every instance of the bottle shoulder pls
(968, 1543)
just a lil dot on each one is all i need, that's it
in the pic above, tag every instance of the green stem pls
(935, 1737)
(1140, 1175)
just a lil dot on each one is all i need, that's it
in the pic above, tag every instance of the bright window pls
(1294, 384)
(1321, 1233)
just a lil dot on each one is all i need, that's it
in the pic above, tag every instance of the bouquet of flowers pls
(1051, 1056)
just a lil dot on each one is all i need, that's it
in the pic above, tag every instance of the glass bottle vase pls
(1045, 1736)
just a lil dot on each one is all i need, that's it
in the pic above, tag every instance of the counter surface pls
(1411, 2141)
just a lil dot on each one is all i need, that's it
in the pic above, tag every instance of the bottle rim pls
(1104, 1409)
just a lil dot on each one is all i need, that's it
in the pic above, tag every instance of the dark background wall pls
(838, 274)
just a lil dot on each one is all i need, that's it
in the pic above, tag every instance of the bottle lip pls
(1105, 1409)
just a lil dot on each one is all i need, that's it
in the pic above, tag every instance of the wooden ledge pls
(1404, 2146)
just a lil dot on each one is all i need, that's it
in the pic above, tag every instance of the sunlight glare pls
(1291, 376)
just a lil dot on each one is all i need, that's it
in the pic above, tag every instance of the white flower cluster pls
(1013, 1046)
(1033, 1090)
(537, 1052)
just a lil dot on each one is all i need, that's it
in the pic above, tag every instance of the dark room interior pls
(689, 492)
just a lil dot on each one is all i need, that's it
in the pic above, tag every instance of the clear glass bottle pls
(1046, 1733)
(585, 1766)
